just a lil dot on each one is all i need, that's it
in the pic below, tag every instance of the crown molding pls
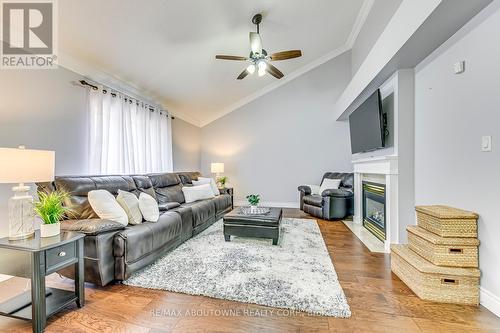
(366, 7)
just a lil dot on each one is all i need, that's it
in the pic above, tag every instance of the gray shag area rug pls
(296, 274)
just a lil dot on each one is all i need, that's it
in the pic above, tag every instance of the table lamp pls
(217, 168)
(20, 165)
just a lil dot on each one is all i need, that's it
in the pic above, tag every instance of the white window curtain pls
(127, 136)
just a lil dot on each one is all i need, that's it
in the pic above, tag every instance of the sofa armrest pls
(305, 189)
(338, 193)
(91, 226)
(226, 190)
(168, 206)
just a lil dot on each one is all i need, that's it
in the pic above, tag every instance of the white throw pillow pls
(329, 184)
(149, 207)
(211, 181)
(130, 204)
(106, 207)
(314, 189)
(195, 193)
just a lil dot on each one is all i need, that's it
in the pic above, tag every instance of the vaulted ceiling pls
(165, 48)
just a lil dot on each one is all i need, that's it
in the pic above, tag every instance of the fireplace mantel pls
(383, 165)
(382, 169)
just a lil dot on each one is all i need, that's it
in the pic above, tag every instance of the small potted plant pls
(222, 180)
(253, 200)
(51, 210)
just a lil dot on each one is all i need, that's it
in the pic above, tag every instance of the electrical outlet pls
(486, 143)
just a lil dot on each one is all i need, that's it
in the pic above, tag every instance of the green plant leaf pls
(50, 206)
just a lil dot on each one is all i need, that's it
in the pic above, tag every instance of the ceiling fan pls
(258, 58)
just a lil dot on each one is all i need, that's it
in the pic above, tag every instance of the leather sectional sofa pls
(114, 252)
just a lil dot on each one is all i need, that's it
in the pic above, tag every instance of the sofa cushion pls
(202, 211)
(77, 201)
(106, 206)
(346, 177)
(149, 207)
(168, 206)
(91, 227)
(222, 203)
(188, 177)
(168, 227)
(139, 240)
(328, 184)
(337, 193)
(114, 183)
(78, 188)
(186, 214)
(197, 193)
(130, 204)
(164, 179)
(144, 185)
(169, 194)
(313, 199)
(168, 187)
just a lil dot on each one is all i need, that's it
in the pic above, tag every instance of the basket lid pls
(438, 240)
(446, 212)
(427, 267)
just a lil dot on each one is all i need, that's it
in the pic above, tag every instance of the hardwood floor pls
(379, 302)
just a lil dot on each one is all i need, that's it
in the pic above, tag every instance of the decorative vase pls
(253, 208)
(50, 230)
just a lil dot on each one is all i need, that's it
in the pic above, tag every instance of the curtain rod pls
(85, 83)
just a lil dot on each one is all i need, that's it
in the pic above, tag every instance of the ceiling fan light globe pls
(251, 69)
(262, 65)
(262, 72)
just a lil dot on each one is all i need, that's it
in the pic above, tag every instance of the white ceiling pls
(165, 48)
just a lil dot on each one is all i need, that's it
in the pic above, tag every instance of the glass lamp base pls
(21, 214)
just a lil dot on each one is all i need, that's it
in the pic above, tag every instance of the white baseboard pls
(284, 204)
(489, 301)
(4, 277)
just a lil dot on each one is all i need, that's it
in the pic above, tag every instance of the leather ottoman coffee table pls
(265, 226)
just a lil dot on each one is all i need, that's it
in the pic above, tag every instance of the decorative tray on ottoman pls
(247, 210)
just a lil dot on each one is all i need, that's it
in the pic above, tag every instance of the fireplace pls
(374, 209)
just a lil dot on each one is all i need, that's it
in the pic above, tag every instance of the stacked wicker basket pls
(440, 263)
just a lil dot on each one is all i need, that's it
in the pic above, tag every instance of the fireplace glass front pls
(374, 209)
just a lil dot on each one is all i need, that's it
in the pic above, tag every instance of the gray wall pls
(186, 147)
(285, 138)
(379, 16)
(452, 113)
(42, 110)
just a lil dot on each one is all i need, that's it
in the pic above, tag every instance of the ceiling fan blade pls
(255, 43)
(274, 71)
(230, 57)
(286, 55)
(242, 75)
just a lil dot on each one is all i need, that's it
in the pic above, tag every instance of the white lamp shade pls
(26, 165)
(217, 167)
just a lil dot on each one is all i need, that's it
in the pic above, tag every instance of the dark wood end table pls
(48, 255)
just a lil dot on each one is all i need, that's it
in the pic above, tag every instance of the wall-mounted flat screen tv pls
(367, 125)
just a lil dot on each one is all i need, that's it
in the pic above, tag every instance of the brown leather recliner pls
(114, 252)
